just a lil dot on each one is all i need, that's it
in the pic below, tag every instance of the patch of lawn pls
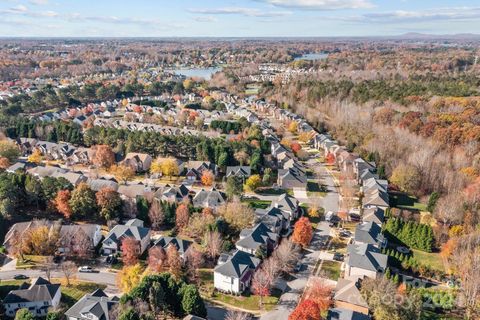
(331, 269)
(270, 191)
(30, 261)
(248, 301)
(429, 259)
(257, 204)
(402, 200)
(8, 285)
(77, 289)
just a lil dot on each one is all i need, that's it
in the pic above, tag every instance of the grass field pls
(30, 261)
(429, 259)
(404, 201)
(331, 269)
(257, 204)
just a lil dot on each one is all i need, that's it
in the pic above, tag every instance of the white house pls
(233, 273)
(37, 298)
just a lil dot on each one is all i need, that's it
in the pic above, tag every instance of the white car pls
(85, 269)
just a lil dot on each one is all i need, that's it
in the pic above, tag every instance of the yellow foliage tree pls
(253, 182)
(188, 84)
(35, 157)
(293, 127)
(129, 277)
(122, 173)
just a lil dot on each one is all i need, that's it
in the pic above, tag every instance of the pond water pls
(313, 56)
(205, 73)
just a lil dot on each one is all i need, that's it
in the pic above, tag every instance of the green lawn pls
(270, 191)
(331, 269)
(8, 285)
(404, 201)
(429, 259)
(257, 204)
(71, 294)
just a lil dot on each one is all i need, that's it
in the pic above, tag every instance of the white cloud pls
(39, 2)
(249, 12)
(438, 14)
(321, 4)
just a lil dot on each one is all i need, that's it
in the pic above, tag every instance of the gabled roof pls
(237, 264)
(256, 236)
(367, 257)
(181, 244)
(97, 303)
(349, 291)
(368, 232)
(377, 198)
(239, 171)
(374, 214)
(119, 232)
(39, 290)
(345, 314)
(210, 198)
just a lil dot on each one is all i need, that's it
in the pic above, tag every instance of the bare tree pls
(156, 215)
(214, 242)
(286, 255)
(69, 269)
(237, 315)
(48, 267)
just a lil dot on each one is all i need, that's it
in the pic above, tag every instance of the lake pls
(313, 56)
(205, 73)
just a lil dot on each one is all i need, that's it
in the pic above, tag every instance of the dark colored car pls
(338, 256)
(20, 277)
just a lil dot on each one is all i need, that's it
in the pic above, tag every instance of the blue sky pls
(236, 18)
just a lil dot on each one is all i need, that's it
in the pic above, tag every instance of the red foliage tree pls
(61, 203)
(157, 259)
(130, 251)
(330, 158)
(319, 292)
(302, 232)
(104, 156)
(306, 310)
(295, 146)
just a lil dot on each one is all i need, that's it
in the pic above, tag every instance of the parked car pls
(20, 277)
(338, 256)
(111, 259)
(85, 269)
(297, 267)
(329, 216)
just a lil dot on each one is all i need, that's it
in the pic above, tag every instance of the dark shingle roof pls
(236, 265)
(39, 290)
(96, 303)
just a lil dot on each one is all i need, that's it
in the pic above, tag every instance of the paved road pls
(294, 289)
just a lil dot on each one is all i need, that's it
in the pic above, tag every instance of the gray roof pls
(122, 231)
(369, 232)
(212, 198)
(98, 184)
(96, 303)
(237, 264)
(256, 236)
(367, 257)
(374, 214)
(349, 291)
(181, 244)
(239, 171)
(39, 290)
(377, 198)
(345, 314)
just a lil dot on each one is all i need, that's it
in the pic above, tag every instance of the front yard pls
(248, 302)
(432, 260)
(331, 269)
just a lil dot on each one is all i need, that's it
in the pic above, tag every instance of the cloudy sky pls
(236, 18)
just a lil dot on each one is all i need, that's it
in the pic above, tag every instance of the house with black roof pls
(370, 233)
(251, 239)
(364, 260)
(234, 272)
(182, 245)
(131, 229)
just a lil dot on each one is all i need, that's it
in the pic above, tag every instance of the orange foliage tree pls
(207, 178)
(182, 215)
(330, 158)
(130, 251)
(104, 156)
(61, 203)
(306, 310)
(302, 232)
(319, 292)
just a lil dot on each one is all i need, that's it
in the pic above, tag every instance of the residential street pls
(294, 289)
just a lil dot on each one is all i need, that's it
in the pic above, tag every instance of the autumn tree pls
(296, 147)
(293, 127)
(4, 163)
(286, 255)
(261, 284)
(130, 251)
(36, 156)
(237, 315)
(238, 215)
(83, 201)
(24, 314)
(122, 173)
(104, 156)
(62, 203)
(167, 167)
(242, 157)
(174, 262)
(330, 158)
(157, 259)
(253, 183)
(182, 215)
(129, 277)
(109, 202)
(319, 292)
(193, 259)
(406, 177)
(207, 178)
(41, 240)
(302, 232)
(306, 310)
(9, 150)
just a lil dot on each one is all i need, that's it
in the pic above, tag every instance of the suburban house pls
(292, 179)
(234, 272)
(37, 298)
(242, 172)
(94, 306)
(172, 193)
(132, 228)
(346, 314)
(68, 233)
(55, 172)
(289, 206)
(194, 169)
(252, 239)
(347, 296)
(374, 214)
(364, 260)
(376, 199)
(99, 184)
(209, 199)
(140, 162)
(132, 192)
(181, 244)
(369, 233)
